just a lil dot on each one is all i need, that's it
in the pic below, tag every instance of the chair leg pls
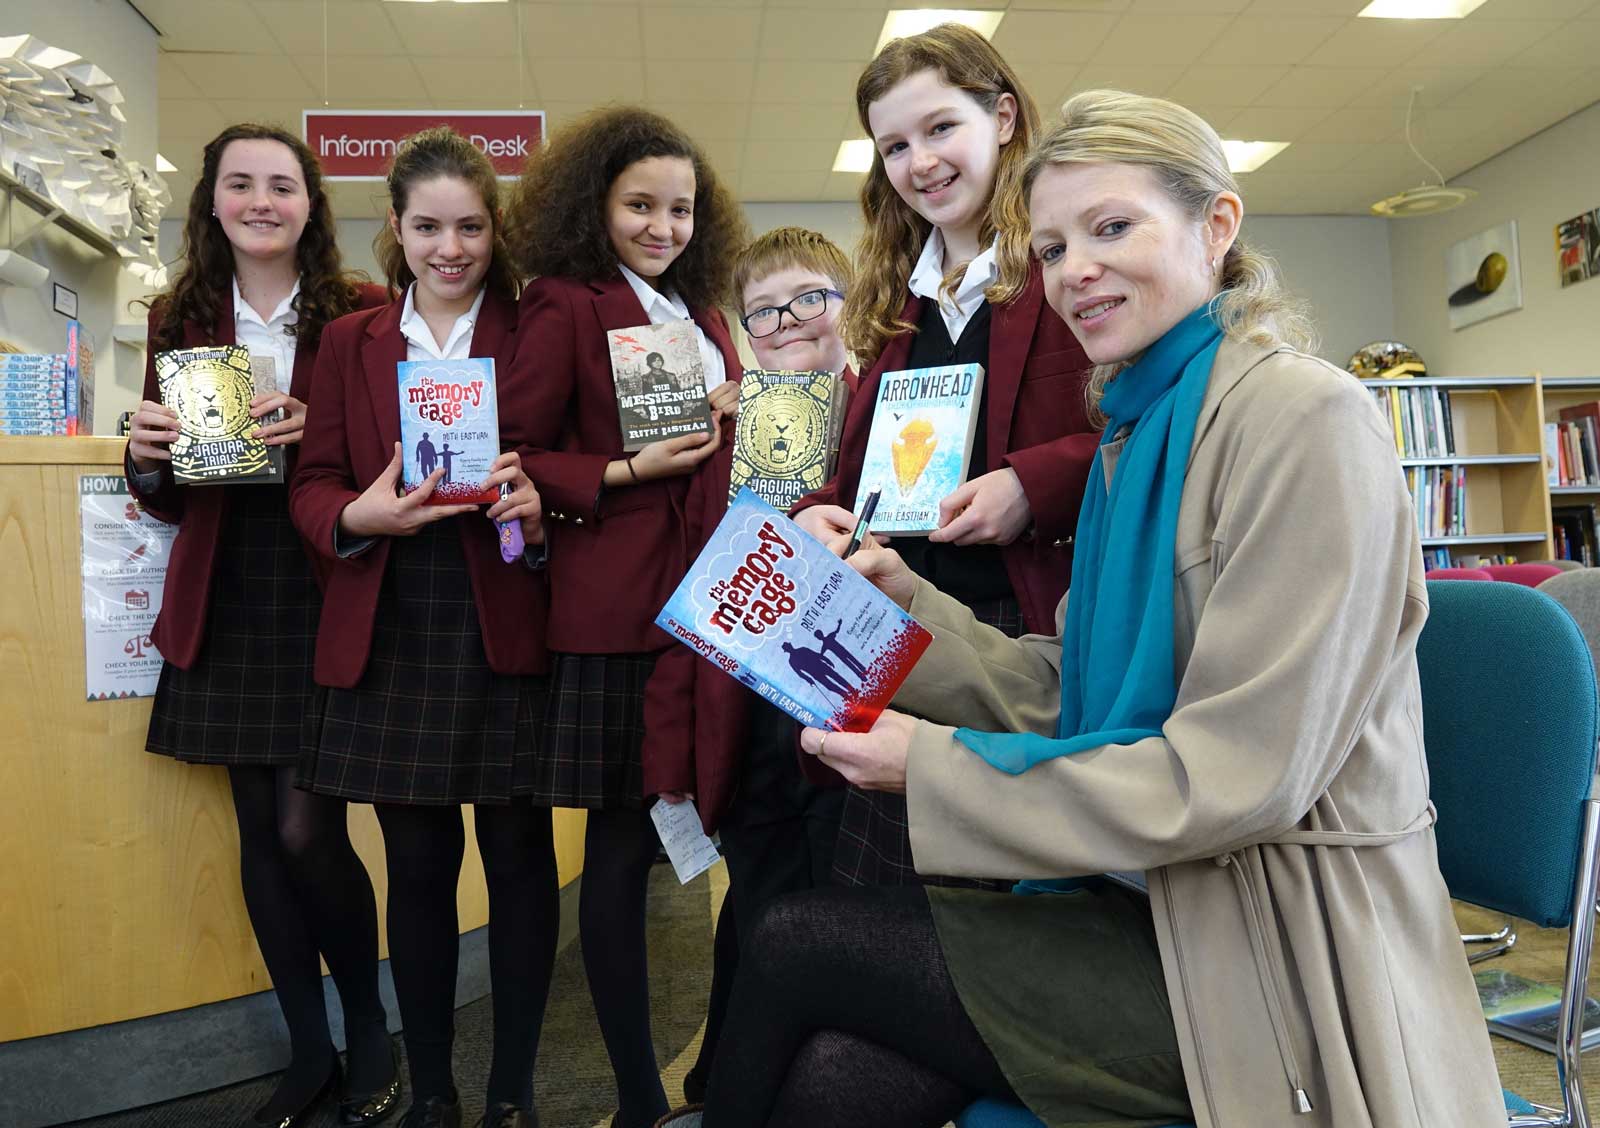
(1507, 939)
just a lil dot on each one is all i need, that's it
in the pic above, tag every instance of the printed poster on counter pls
(125, 553)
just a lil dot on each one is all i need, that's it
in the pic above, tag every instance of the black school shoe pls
(296, 1119)
(503, 1114)
(435, 1112)
(369, 1108)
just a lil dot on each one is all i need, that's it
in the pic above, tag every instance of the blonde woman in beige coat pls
(1232, 711)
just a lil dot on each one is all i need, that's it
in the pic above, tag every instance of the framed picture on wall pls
(1483, 276)
(1578, 248)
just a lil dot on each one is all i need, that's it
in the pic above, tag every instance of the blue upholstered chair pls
(1510, 723)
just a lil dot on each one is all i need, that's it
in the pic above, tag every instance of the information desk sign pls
(360, 144)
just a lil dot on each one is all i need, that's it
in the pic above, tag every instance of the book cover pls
(786, 441)
(210, 388)
(921, 441)
(772, 607)
(80, 380)
(660, 382)
(1530, 1012)
(450, 421)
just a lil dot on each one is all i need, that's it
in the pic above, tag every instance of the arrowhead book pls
(450, 421)
(210, 388)
(772, 607)
(923, 424)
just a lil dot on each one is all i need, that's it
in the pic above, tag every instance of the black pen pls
(860, 534)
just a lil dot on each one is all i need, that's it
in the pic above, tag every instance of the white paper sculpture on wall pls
(61, 125)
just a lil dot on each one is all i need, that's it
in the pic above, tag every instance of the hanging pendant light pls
(1426, 198)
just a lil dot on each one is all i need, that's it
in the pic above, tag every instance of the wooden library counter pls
(119, 888)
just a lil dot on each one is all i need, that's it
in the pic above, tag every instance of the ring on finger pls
(821, 744)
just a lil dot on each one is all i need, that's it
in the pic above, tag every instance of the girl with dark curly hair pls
(261, 269)
(621, 223)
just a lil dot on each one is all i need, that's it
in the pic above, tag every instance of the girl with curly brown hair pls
(261, 269)
(620, 222)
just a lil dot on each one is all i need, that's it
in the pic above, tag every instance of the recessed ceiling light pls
(1247, 156)
(914, 21)
(854, 156)
(1419, 9)
(164, 165)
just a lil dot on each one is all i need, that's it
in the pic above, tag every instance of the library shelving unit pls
(1569, 391)
(1499, 442)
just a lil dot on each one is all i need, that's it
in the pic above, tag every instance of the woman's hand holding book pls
(151, 429)
(379, 513)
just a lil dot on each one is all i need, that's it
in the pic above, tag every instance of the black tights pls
(619, 848)
(424, 845)
(308, 894)
(844, 1014)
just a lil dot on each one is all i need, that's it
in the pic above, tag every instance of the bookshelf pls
(1497, 424)
(1562, 392)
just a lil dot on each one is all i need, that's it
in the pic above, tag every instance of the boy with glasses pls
(778, 835)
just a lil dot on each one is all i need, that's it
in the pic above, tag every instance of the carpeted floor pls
(573, 1080)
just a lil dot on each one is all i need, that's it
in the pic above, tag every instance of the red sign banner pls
(359, 144)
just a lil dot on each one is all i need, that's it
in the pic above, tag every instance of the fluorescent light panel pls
(854, 156)
(164, 165)
(1247, 156)
(1419, 9)
(913, 21)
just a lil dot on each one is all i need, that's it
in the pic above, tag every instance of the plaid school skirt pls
(593, 732)
(243, 700)
(875, 832)
(429, 722)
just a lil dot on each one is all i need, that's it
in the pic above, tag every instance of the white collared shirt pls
(927, 276)
(662, 307)
(420, 344)
(270, 338)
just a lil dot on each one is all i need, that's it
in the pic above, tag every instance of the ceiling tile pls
(700, 33)
(357, 80)
(829, 121)
(456, 29)
(1135, 78)
(247, 72)
(1069, 37)
(585, 31)
(849, 35)
(1356, 125)
(493, 83)
(1306, 156)
(708, 121)
(1376, 43)
(289, 115)
(171, 82)
(1439, 129)
(1307, 7)
(1322, 193)
(189, 118)
(1319, 87)
(356, 27)
(728, 80)
(1536, 9)
(589, 80)
(1504, 88)
(1474, 43)
(218, 25)
(788, 156)
(766, 185)
(1279, 39)
(559, 114)
(358, 199)
(1264, 123)
(1219, 7)
(1438, 86)
(784, 81)
(1047, 82)
(724, 158)
(843, 186)
(1236, 85)
(1158, 40)
(1575, 45)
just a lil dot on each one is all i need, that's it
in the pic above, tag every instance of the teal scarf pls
(1118, 683)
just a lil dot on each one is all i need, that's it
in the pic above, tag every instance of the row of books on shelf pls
(1573, 527)
(1419, 419)
(49, 393)
(1439, 496)
(1572, 446)
(1443, 558)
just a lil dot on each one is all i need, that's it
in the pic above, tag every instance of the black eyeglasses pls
(764, 322)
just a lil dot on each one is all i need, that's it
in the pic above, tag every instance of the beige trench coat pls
(1314, 969)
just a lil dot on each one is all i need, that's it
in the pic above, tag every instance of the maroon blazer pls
(349, 442)
(198, 511)
(617, 555)
(1038, 425)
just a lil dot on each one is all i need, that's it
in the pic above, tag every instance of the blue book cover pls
(772, 607)
(923, 424)
(449, 421)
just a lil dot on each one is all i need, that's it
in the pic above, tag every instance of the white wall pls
(114, 36)
(1546, 179)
